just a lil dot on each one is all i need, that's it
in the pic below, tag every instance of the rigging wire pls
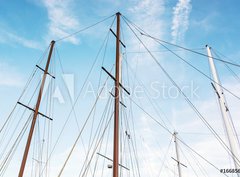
(126, 136)
(164, 50)
(198, 164)
(135, 169)
(125, 126)
(99, 142)
(134, 144)
(234, 129)
(201, 72)
(78, 96)
(16, 143)
(132, 141)
(217, 53)
(142, 32)
(99, 138)
(185, 61)
(198, 133)
(83, 29)
(165, 156)
(202, 54)
(25, 87)
(19, 137)
(84, 125)
(9, 156)
(44, 141)
(186, 98)
(51, 114)
(100, 77)
(155, 120)
(106, 147)
(159, 41)
(95, 108)
(155, 108)
(96, 136)
(72, 104)
(92, 26)
(80, 133)
(102, 63)
(16, 126)
(180, 140)
(188, 161)
(105, 152)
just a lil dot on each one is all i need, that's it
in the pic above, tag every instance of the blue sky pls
(28, 26)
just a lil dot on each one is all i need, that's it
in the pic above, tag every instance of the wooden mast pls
(116, 105)
(25, 155)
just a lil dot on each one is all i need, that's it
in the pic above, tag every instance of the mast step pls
(120, 101)
(44, 71)
(112, 160)
(115, 80)
(34, 110)
(179, 162)
(215, 90)
(116, 37)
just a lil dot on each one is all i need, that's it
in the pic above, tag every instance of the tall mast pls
(116, 105)
(25, 155)
(177, 154)
(226, 116)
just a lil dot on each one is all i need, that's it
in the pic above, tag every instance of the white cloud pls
(198, 136)
(149, 8)
(180, 19)
(9, 76)
(205, 23)
(62, 20)
(148, 15)
(10, 37)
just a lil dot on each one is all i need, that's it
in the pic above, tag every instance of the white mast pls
(227, 121)
(177, 154)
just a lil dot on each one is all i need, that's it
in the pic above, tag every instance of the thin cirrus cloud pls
(9, 76)
(146, 15)
(62, 20)
(10, 37)
(180, 21)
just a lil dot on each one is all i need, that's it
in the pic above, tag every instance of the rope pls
(186, 98)
(83, 29)
(142, 32)
(68, 117)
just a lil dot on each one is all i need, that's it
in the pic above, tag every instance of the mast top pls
(118, 13)
(52, 42)
(207, 46)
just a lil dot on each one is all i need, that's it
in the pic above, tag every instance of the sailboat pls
(117, 113)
